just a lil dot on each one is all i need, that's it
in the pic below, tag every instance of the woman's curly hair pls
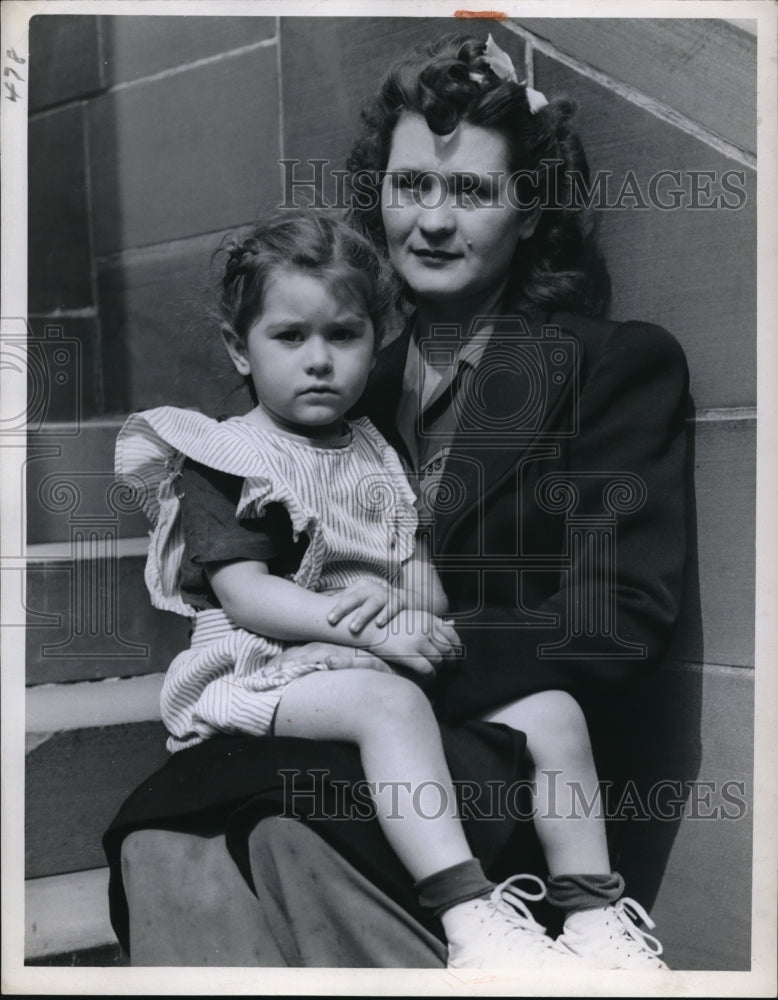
(449, 82)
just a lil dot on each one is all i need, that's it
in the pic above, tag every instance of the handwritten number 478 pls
(13, 94)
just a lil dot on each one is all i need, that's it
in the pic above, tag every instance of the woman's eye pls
(406, 181)
(471, 190)
(402, 180)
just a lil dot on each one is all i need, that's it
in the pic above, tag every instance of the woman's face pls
(450, 228)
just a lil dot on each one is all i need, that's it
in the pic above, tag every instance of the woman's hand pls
(371, 600)
(418, 641)
(336, 657)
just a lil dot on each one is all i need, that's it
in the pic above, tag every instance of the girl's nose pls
(317, 356)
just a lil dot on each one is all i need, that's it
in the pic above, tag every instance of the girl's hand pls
(371, 601)
(418, 640)
(336, 657)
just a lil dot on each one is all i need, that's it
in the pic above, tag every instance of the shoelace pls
(508, 898)
(627, 912)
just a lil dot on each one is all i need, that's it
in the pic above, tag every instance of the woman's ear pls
(236, 350)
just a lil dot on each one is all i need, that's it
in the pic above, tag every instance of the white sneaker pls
(499, 932)
(609, 938)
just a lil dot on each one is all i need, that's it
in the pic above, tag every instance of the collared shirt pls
(427, 413)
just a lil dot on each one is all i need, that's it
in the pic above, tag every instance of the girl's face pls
(444, 243)
(309, 354)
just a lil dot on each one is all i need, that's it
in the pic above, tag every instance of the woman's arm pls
(420, 581)
(419, 588)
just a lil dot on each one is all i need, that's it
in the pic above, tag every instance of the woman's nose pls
(435, 216)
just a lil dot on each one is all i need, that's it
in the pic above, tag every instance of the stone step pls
(102, 957)
(75, 782)
(87, 745)
(70, 482)
(66, 915)
(51, 708)
(89, 614)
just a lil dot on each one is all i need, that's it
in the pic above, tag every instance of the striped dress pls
(352, 503)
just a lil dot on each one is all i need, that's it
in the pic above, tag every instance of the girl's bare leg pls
(391, 721)
(570, 824)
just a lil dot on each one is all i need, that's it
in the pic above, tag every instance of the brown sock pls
(457, 884)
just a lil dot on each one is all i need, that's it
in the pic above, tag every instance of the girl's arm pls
(272, 606)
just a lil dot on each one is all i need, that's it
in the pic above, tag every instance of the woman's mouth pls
(435, 256)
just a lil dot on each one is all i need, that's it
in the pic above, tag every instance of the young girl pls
(293, 525)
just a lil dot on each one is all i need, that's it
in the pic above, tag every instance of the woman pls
(549, 451)
(546, 424)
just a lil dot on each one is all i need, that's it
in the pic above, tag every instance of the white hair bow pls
(501, 65)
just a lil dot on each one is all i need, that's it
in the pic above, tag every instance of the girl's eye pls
(342, 335)
(289, 336)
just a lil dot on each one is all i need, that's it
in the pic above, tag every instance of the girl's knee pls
(554, 721)
(560, 708)
(395, 697)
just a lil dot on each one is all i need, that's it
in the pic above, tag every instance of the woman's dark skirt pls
(229, 783)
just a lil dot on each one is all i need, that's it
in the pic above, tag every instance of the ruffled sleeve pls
(149, 441)
(150, 451)
(259, 493)
(150, 465)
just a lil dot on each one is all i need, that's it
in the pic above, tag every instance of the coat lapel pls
(382, 396)
(512, 403)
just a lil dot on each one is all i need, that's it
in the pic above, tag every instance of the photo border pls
(18, 979)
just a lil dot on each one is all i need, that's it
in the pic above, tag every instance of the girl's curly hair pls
(314, 243)
(310, 242)
(449, 82)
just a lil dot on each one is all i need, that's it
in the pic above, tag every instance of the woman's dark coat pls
(560, 531)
